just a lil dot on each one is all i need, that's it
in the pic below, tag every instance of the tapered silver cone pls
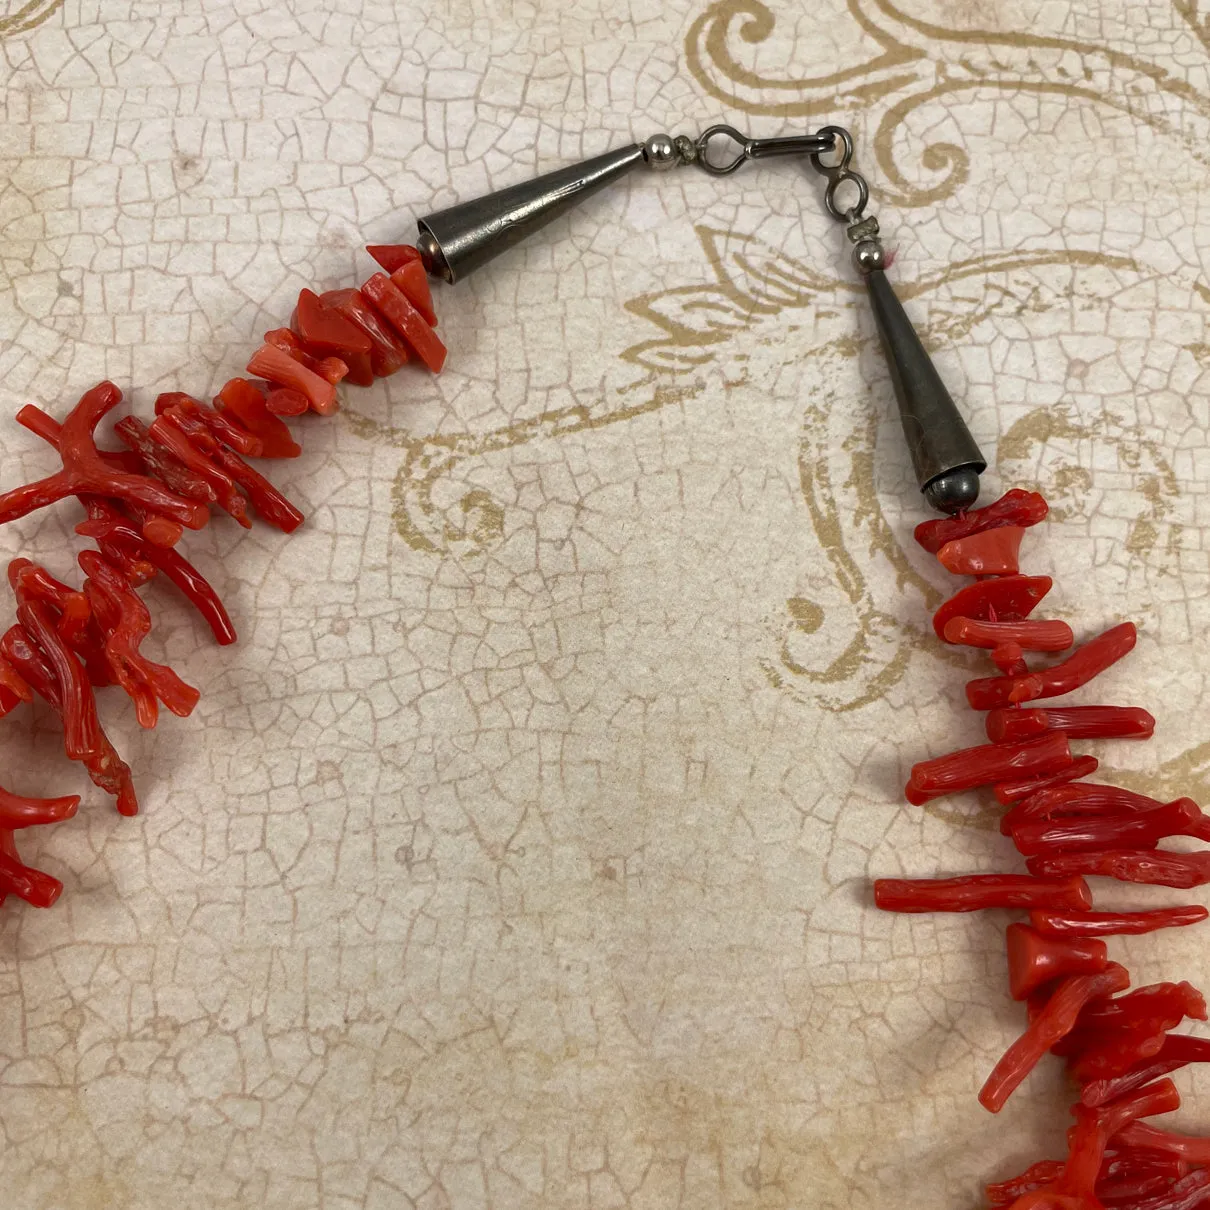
(455, 241)
(945, 456)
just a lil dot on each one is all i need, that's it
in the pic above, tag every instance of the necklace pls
(140, 499)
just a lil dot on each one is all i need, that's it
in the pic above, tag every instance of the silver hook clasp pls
(757, 149)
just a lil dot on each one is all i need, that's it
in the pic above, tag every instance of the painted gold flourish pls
(1069, 482)
(28, 16)
(919, 63)
(1191, 12)
(478, 519)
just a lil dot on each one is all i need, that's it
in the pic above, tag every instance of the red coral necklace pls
(166, 477)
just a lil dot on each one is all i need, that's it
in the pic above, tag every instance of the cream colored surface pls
(518, 855)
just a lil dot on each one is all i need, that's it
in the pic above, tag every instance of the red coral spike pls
(1029, 636)
(332, 369)
(127, 623)
(406, 320)
(224, 429)
(174, 431)
(412, 281)
(16, 878)
(1095, 1127)
(1036, 1176)
(269, 502)
(279, 367)
(162, 462)
(118, 537)
(272, 506)
(977, 892)
(1080, 798)
(13, 689)
(1106, 924)
(1003, 599)
(245, 401)
(388, 352)
(1155, 868)
(324, 332)
(393, 256)
(979, 766)
(1015, 507)
(1080, 722)
(1141, 830)
(1034, 959)
(1023, 787)
(993, 552)
(16, 812)
(1194, 1149)
(75, 705)
(74, 623)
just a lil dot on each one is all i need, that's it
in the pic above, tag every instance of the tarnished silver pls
(868, 256)
(840, 174)
(686, 148)
(946, 458)
(661, 152)
(757, 149)
(456, 241)
(944, 454)
(953, 492)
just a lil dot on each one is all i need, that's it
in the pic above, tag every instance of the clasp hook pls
(758, 149)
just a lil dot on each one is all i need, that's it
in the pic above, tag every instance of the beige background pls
(518, 855)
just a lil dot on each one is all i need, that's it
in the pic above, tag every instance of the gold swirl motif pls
(20, 20)
(918, 63)
(1048, 428)
(1190, 12)
(478, 520)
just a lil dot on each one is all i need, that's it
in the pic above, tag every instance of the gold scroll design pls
(476, 521)
(1052, 436)
(1190, 11)
(20, 19)
(917, 62)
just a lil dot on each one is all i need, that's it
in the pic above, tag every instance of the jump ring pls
(833, 171)
(853, 213)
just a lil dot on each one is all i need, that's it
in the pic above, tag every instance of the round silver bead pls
(868, 255)
(660, 152)
(954, 491)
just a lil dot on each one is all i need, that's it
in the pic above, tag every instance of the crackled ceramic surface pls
(518, 854)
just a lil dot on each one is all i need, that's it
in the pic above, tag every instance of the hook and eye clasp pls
(722, 149)
(713, 159)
